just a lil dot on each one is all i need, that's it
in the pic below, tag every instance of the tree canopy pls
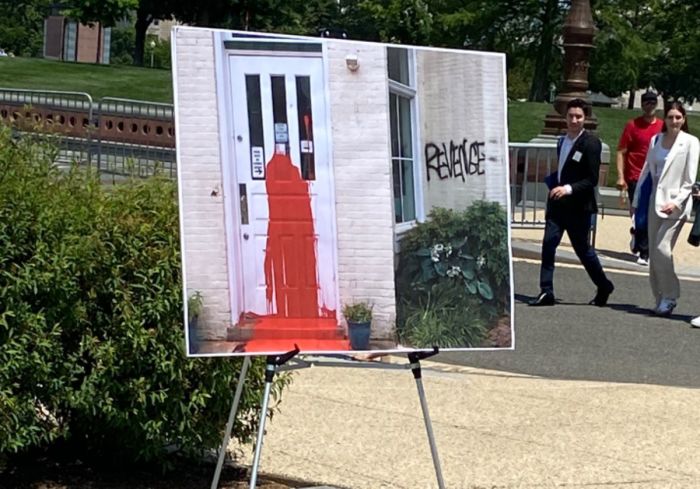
(638, 42)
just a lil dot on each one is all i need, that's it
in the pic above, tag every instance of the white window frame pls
(409, 91)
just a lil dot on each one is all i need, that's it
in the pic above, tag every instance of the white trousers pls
(663, 234)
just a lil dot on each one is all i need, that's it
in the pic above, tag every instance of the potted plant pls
(194, 308)
(359, 318)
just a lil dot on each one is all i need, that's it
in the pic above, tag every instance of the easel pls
(278, 363)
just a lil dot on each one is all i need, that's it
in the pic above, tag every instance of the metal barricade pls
(120, 138)
(530, 163)
(136, 138)
(63, 117)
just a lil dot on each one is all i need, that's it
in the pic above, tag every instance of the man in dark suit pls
(570, 205)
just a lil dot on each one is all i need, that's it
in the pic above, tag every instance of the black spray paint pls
(455, 160)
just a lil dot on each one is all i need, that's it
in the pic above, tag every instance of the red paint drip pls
(291, 276)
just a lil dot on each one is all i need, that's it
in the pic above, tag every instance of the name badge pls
(577, 156)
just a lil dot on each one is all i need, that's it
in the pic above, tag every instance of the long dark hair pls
(679, 107)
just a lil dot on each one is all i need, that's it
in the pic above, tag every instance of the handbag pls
(694, 236)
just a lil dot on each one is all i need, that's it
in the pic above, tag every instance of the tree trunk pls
(143, 20)
(630, 102)
(540, 80)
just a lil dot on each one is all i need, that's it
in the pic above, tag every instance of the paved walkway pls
(363, 428)
(612, 243)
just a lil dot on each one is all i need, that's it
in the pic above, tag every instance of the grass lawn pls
(97, 80)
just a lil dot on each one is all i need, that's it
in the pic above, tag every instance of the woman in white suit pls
(672, 162)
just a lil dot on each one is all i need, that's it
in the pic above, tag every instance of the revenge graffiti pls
(455, 160)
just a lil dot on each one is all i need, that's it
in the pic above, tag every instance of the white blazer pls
(677, 177)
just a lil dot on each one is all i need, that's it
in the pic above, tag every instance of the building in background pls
(161, 28)
(68, 40)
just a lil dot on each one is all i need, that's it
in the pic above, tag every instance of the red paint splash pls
(291, 271)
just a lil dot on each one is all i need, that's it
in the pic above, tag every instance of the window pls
(401, 102)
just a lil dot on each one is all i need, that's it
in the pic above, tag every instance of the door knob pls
(245, 236)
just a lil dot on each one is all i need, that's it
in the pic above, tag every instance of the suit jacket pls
(677, 177)
(580, 170)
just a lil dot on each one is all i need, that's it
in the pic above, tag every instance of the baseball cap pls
(649, 96)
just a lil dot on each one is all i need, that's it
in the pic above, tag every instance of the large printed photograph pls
(339, 196)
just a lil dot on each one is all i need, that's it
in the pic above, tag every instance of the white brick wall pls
(461, 96)
(199, 165)
(359, 104)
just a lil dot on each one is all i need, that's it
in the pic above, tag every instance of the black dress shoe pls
(601, 297)
(544, 299)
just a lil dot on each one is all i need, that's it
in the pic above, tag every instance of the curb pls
(531, 251)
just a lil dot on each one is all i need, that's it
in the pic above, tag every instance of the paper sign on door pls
(257, 163)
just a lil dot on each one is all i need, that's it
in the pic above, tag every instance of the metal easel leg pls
(229, 424)
(273, 363)
(415, 358)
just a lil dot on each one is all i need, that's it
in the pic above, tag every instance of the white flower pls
(435, 252)
(480, 262)
(448, 250)
(454, 271)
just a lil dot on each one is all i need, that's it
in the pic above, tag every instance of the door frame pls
(231, 195)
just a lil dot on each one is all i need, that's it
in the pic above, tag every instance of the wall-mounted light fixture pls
(351, 62)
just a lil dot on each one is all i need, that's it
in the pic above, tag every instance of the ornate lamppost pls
(578, 34)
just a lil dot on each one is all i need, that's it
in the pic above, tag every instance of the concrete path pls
(363, 428)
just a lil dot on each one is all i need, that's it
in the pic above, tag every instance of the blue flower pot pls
(192, 333)
(359, 335)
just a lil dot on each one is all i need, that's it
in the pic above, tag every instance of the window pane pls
(255, 127)
(408, 200)
(396, 173)
(405, 125)
(306, 132)
(279, 114)
(397, 60)
(394, 118)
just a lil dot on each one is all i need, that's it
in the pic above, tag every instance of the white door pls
(283, 175)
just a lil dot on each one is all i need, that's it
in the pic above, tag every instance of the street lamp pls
(153, 46)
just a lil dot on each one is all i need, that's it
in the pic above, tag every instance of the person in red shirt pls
(631, 153)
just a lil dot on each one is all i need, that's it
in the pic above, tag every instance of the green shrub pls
(91, 322)
(359, 312)
(453, 277)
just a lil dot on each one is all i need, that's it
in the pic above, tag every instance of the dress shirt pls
(566, 145)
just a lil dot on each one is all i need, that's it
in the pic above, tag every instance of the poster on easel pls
(340, 196)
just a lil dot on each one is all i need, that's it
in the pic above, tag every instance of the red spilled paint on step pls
(291, 272)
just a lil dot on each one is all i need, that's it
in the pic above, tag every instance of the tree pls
(548, 21)
(626, 45)
(106, 12)
(22, 25)
(526, 30)
(394, 21)
(674, 68)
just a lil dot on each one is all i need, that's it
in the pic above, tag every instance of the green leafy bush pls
(91, 323)
(453, 277)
